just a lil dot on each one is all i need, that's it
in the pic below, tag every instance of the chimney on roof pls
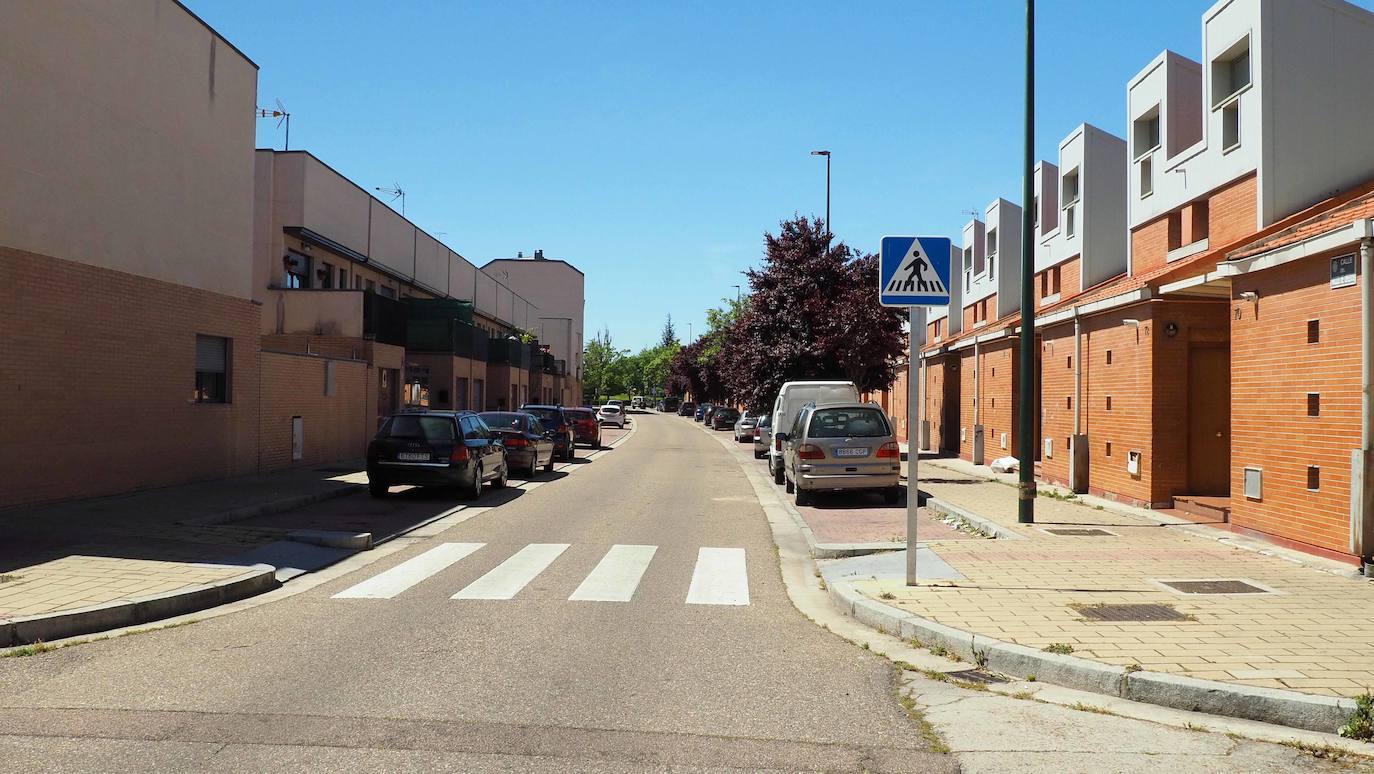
(520, 254)
(539, 255)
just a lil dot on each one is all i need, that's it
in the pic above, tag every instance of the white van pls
(791, 398)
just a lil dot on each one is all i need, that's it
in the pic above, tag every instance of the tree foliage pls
(668, 338)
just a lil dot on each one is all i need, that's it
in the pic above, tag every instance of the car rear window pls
(428, 428)
(503, 420)
(548, 415)
(727, 414)
(611, 409)
(848, 423)
(578, 413)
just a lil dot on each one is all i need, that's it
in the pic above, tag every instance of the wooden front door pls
(1209, 420)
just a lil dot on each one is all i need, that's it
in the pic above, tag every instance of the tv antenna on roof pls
(396, 193)
(283, 117)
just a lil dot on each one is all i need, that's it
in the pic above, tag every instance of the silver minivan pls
(841, 447)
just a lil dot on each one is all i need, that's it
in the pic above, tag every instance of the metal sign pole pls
(917, 318)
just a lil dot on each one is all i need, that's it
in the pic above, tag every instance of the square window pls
(1231, 71)
(212, 369)
(1145, 132)
(1314, 404)
(1314, 331)
(1314, 477)
(1070, 186)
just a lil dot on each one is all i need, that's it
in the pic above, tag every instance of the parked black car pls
(527, 444)
(724, 418)
(687, 409)
(435, 448)
(558, 426)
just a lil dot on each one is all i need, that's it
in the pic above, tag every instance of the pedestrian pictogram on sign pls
(914, 271)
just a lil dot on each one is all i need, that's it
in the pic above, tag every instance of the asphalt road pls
(704, 668)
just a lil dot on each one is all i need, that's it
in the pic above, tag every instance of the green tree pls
(669, 335)
(600, 365)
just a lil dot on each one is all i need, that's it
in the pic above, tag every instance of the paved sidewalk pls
(1307, 630)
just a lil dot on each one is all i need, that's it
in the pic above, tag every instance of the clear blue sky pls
(652, 143)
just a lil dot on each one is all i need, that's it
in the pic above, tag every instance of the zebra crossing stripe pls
(388, 584)
(616, 576)
(720, 578)
(509, 577)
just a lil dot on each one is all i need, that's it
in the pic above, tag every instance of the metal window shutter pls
(211, 353)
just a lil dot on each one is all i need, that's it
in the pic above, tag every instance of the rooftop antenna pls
(972, 213)
(396, 193)
(283, 117)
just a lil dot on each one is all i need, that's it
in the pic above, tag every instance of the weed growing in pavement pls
(6, 577)
(1133, 668)
(823, 586)
(1318, 750)
(887, 595)
(45, 647)
(970, 685)
(938, 650)
(1360, 724)
(1030, 678)
(936, 675)
(1062, 648)
(1195, 727)
(864, 646)
(1054, 495)
(915, 643)
(1081, 707)
(980, 657)
(30, 650)
(932, 739)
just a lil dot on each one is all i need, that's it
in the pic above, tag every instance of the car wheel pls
(778, 475)
(787, 485)
(377, 488)
(475, 491)
(804, 497)
(572, 451)
(892, 496)
(548, 466)
(758, 455)
(501, 481)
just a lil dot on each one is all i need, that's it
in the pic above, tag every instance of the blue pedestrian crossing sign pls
(914, 271)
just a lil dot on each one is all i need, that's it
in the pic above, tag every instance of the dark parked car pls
(687, 409)
(671, 404)
(558, 427)
(435, 448)
(528, 446)
(700, 415)
(585, 427)
(724, 418)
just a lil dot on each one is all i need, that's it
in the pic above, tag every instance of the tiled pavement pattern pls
(1313, 635)
(79, 581)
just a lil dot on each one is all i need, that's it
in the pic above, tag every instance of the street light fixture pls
(826, 154)
(736, 287)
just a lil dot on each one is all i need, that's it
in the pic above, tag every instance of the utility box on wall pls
(1078, 464)
(977, 444)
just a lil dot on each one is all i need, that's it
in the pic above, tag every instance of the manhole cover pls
(1130, 613)
(1214, 587)
(1080, 532)
(976, 676)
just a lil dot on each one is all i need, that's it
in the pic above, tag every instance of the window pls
(1109, 357)
(992, 243)
(1314, 331)
(297, 270)
(1230, 126)
(1068, 403)
(212, 369)
(357, 282)
(968, 267)
(1314, 404)
(326, 276)
(1109, 403)
(1070, 186)
(1145, 132)
(412, 426)
(460, 394)
(1068, 361)
(848, 423)
(1147, 176)
(1314, 477)
(1035, 211)
(330, 378)
(1109, 448)
(371, 286)
(1231, 72)
(1068, 222)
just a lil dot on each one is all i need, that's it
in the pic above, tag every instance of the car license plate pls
(413, 456)
(852, 452)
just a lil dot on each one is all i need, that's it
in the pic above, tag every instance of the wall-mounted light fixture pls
(1249, 295)
(1130, 321)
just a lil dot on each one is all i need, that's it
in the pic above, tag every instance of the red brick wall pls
(340, 347)
(942, 392)
(1150, 245)
(336, 427)
(97, 376)
(1128, 380)
(996, 390)
(1231, 212)
(989, 305)
(1069, 280)
(1272, 370)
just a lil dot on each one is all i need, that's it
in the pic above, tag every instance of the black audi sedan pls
(435, 448)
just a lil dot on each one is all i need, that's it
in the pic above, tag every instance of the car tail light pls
(459, 453)
(562, 428)
(890, 450)
(777, 443)
(758, 433)
(517, 442)
(810, 451)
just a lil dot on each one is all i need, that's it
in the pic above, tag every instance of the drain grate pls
(977, 676)
(1080, 532)
(1224, 586)
(1130, 613)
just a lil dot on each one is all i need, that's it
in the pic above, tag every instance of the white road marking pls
(509, 577)
(720, 578)
(388, 584)
(617, 575)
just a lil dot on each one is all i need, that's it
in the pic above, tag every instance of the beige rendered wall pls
(556, 289)
(128, 141)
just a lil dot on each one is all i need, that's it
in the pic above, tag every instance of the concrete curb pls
(273, 506)
(139, 610)
(358, 541)
(981, 523)
(1266, 705)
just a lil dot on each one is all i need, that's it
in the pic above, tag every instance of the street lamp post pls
(828, 229)
(736, 287)
(1025, 511)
